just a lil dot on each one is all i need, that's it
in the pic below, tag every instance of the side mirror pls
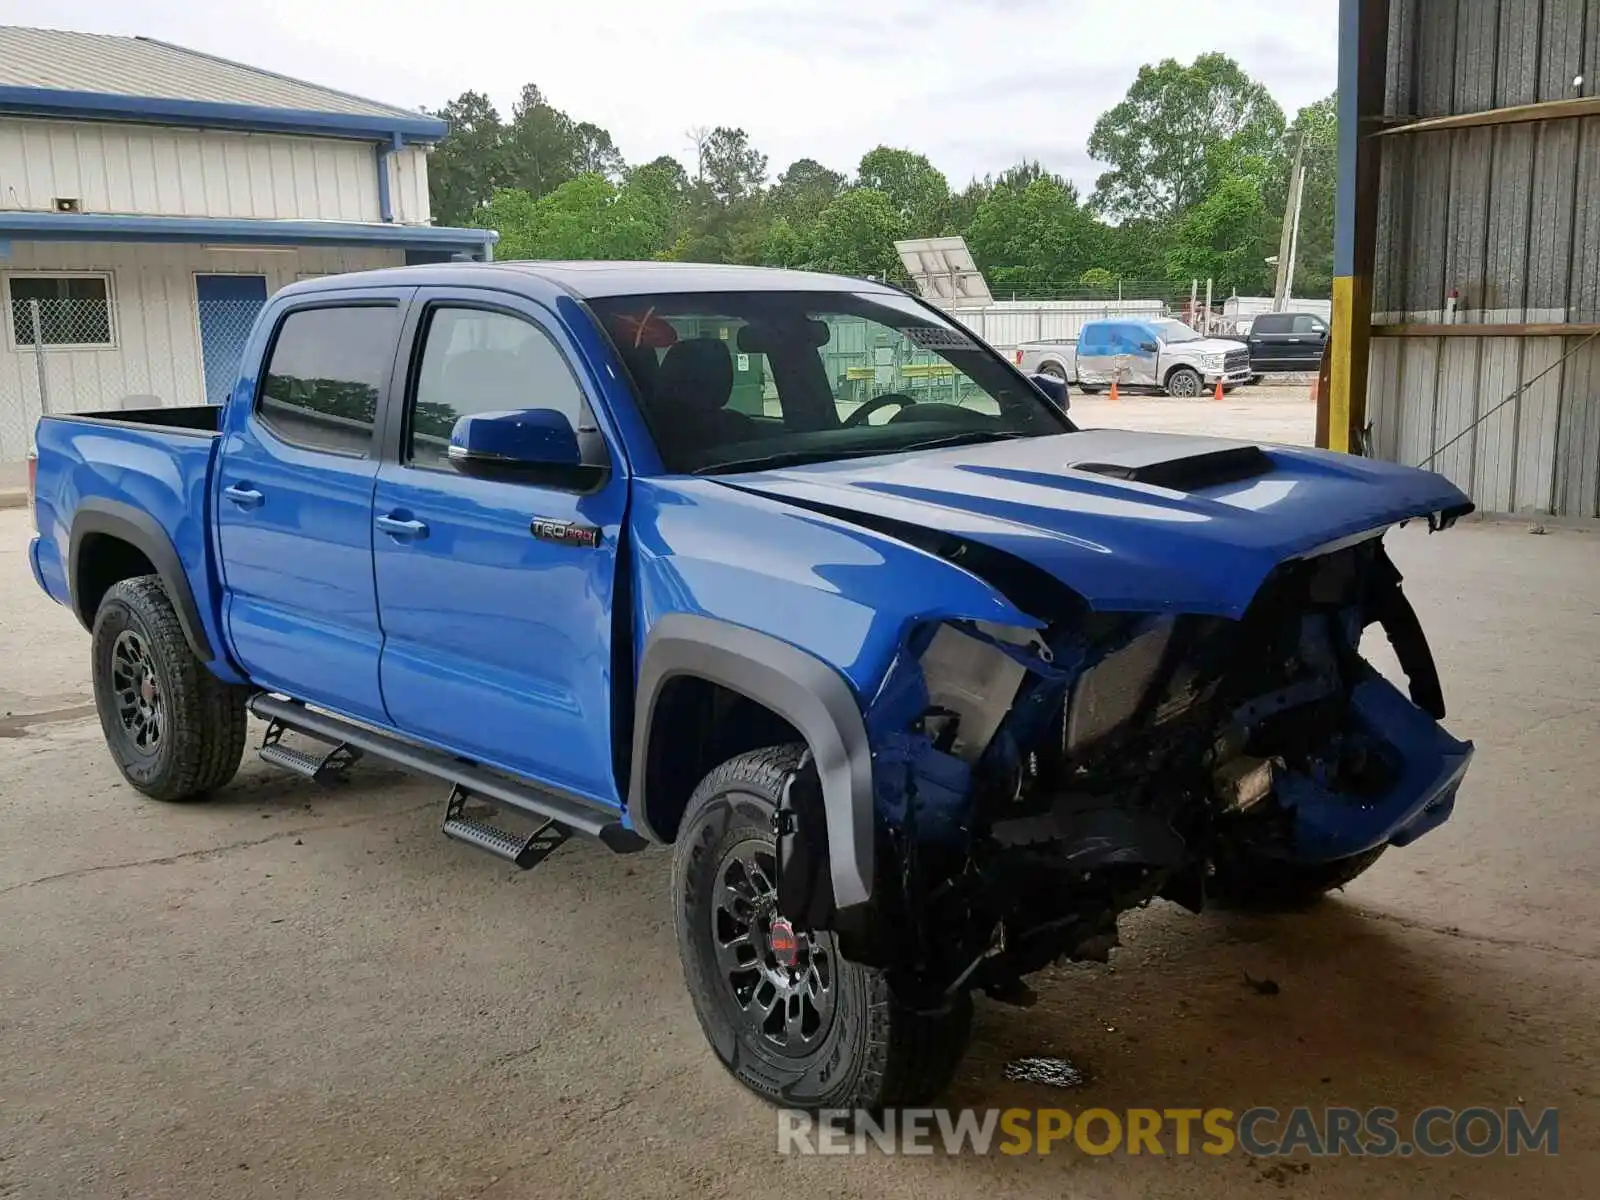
(1054, 389)
(1150, 347)
(533, 444)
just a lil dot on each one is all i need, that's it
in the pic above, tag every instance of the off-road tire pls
(1258, 884)
(1185, 383)
(878, 1052)
(202, 719)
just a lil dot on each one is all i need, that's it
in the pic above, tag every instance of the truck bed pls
(200, 419)
(140, 476)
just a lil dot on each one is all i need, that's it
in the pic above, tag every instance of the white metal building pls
(152, 198)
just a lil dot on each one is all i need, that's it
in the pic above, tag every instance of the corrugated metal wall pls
(158, 171)
(1509, 216)
(155, 321)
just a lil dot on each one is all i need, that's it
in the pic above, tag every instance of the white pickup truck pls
(1161, 354)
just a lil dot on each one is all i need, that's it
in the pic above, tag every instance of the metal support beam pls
(1514, 114)
(1363, 50)
(1525, 330)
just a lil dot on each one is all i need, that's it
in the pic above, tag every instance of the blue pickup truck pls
(923, 685)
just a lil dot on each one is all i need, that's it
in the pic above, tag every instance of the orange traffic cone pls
(1114, 395)
(1217, 395)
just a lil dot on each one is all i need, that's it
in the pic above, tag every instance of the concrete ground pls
(1267, 412)
(294, 992)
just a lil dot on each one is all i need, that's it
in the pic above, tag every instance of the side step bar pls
(542, 804)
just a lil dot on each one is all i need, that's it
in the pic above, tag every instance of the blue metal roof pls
(113, 227)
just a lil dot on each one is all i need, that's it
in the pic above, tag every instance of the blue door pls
(228, 306)
(294, 501)
(496, 641)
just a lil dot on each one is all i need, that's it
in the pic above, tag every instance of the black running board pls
(542, 804)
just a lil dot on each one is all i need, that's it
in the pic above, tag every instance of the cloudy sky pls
(975, 84)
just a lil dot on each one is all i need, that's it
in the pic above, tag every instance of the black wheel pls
(1184, 383)
(1089, 389)
(1251, 881)
(789, 1018)
(1054, 370)
(175, 730)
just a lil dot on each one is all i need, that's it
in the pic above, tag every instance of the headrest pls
(759, 339)
(695, 376)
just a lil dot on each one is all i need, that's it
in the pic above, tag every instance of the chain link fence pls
(66, 354)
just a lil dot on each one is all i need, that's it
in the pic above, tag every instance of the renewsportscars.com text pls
(1264, 1132)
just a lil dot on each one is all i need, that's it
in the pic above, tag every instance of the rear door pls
(1307, 335)
(497, 639)
(294, 504)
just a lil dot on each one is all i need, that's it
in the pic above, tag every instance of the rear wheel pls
(789, 1018)
(1184, 383)
(1054, 370)
(175, 730)
(1253, 881)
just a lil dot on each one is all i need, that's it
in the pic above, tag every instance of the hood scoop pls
(1188, 472)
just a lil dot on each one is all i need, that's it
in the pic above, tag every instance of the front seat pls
(688, 409)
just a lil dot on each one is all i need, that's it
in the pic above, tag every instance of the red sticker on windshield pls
(644, 329)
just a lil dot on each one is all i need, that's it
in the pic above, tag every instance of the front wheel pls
(175, 730)
(1184, 383)
(790, 1019)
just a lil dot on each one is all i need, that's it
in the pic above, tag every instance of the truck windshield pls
(1174, 331)
(732, 381)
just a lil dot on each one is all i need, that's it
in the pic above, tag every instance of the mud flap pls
(805, 883)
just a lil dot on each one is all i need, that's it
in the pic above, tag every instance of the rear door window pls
(328, 367)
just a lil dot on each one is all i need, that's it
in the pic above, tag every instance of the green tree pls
(918, 190)
(1225, 238)
(1035, 233)
(541, 144)
(1313, 273)
(469, 163)
(594, 153)
(855, 235)
(803, 191)
(1097, 277)
(1178, 134)
(734, 170)
(587, 217)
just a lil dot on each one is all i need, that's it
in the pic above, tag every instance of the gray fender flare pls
(802, 689)
(139, 530)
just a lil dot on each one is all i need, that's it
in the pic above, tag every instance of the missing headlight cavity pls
(974, 680)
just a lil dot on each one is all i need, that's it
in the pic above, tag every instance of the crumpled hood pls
(1131, 521)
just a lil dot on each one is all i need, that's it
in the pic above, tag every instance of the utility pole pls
(1294, 238)
(1291, 220)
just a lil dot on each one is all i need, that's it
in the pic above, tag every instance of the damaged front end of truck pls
(1032, 784)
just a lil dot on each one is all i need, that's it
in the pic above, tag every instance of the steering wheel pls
(859, 417)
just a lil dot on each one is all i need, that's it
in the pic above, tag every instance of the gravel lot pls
(294, 992)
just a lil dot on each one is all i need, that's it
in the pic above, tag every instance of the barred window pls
(60, 310)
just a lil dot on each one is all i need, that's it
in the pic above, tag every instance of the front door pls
(497, 640)
(294, 502)
(1269, 341)
(227, 306)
